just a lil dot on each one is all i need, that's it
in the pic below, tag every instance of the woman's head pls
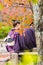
(15, 22)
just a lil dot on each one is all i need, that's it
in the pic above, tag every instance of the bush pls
(29, 59)
(4, 31)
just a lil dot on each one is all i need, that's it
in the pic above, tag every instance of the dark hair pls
(15, 22)
(31, 23)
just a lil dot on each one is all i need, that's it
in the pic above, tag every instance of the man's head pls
(15, 22)
(32, 24)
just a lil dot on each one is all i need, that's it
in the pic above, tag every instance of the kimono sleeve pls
(16, 47)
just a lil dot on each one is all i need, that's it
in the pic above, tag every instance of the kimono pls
(13, 36)
(27, 42)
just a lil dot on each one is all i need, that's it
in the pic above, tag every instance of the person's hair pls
(31, 23)
(15, 22)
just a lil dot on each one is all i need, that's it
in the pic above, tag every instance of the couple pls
(20, 42)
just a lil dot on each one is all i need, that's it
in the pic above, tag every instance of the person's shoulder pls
(29, 30)
(12, 29)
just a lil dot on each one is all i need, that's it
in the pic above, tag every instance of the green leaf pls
(35, 1)
(4, 31)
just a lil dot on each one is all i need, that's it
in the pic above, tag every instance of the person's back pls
(27, 42)
(30, 38)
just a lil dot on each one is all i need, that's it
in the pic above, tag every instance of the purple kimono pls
(13, 36)
(27, 42)
(22, 43)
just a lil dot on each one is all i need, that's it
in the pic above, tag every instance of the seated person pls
(12, 36)
(27, 42)
(22, 42)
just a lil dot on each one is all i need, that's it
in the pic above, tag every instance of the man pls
(27, 41)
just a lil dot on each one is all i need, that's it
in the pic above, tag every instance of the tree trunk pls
(38, 21)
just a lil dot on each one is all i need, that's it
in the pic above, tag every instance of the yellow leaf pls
(1, 6)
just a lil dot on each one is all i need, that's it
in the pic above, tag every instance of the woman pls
(12, 36)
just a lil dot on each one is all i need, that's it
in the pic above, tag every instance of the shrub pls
(4, 31)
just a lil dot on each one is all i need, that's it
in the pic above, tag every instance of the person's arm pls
(16, 47)
(10, 35)
(6, 38)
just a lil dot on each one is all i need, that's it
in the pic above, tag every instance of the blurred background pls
(14, 9)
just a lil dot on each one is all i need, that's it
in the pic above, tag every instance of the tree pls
(38, 21)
